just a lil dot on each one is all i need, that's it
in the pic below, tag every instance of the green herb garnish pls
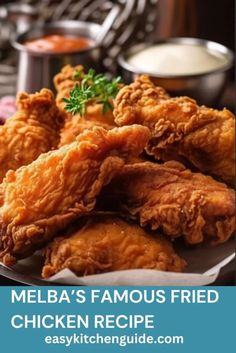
(77, 74)
(93, 87)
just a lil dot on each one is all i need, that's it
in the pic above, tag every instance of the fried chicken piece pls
(107, 244)
(172, 198)
(44, 197)
(76, 124)
(65, 81)
(180, 128)
(32, 130)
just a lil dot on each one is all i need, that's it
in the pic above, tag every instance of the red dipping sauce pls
(57, 43)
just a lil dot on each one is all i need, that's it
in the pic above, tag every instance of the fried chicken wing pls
(107, 244)
(180, 128)
(34, 129)
(44, 197)
(76, 124)
(172, 198)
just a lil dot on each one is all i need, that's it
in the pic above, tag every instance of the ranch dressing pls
(177, 59)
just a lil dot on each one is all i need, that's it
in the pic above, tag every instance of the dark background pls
(208, 19)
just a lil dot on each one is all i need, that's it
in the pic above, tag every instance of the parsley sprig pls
(93, 87)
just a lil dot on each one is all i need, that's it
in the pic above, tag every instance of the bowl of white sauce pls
(194, 67)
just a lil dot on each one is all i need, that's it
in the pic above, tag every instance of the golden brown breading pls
(65, 80)
(34, 129)
(180, 128)
(172, 198)
(76, 124)
(107, 244)
(44, 197)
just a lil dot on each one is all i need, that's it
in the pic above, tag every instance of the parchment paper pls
(204, 264)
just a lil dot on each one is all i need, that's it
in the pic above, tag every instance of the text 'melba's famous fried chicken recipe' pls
(32, 130)
(44, 197)
(107, 243)
(180, 128)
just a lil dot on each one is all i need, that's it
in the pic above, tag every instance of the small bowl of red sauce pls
(44, 50)
(58, 44)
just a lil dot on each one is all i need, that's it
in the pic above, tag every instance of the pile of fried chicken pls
(111, 191)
